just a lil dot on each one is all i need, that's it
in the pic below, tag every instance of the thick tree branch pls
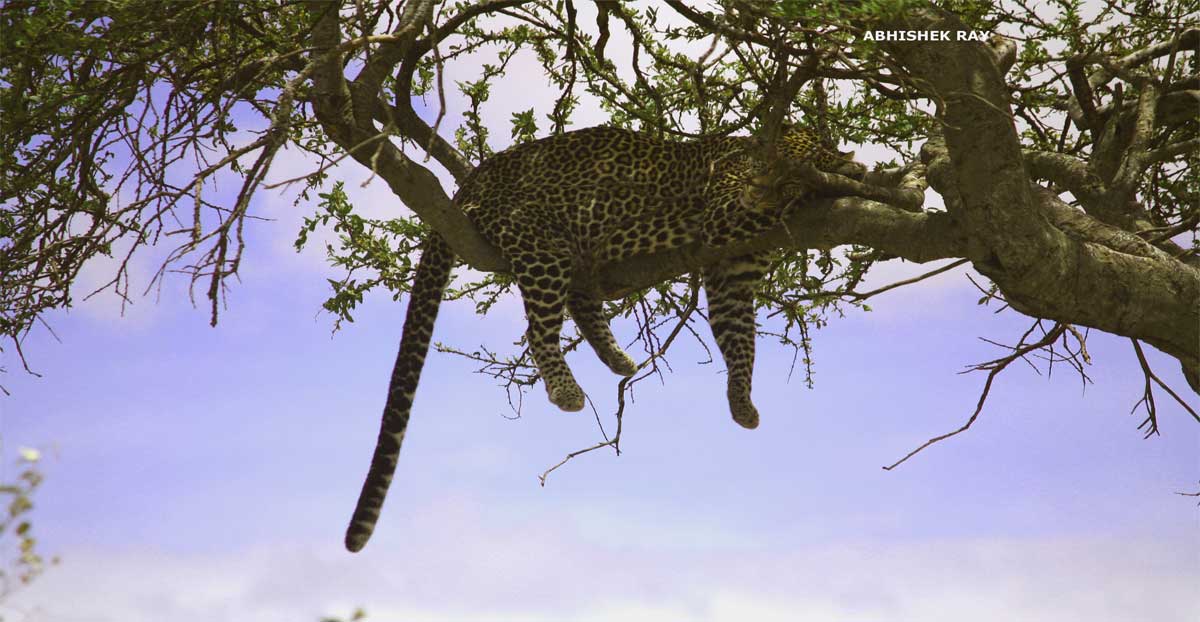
(986, 157)
(413, 53)
(820, 224)
(1067, 172)
(1080, 226)
(1010, 236)
(1188, 39)
(1134, 164)
(410, 125)
(1083, 112)
(347, 115)
(1078, 108)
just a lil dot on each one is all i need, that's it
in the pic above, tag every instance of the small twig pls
(1189, 494)
(612, 442)
(330, 163)
(995, 367)
(931, 273)
(1148, 394)
(1151, 420)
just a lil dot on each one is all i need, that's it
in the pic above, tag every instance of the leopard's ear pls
(846, 155)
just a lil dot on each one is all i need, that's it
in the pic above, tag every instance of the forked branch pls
(994, 367)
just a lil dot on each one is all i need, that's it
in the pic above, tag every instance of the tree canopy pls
(1063, 147)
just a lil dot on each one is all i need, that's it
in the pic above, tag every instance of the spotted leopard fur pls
(583, 199)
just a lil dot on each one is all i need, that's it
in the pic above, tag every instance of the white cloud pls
(468, 566)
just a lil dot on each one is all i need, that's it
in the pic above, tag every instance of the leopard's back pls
(605, 193)
(600, 193)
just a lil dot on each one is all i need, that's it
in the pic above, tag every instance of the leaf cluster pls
(116, 114)
(16, 527)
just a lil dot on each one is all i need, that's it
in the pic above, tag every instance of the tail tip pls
(356, 541)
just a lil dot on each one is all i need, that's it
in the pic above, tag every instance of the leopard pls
(566, 204)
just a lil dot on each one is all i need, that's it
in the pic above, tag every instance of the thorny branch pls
(1150, 423)
(1020, 351)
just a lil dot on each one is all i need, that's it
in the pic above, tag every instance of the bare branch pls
(1151, 421)
(916, 279)
(994, 368)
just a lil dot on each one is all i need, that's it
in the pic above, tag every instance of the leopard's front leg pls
(543, 278)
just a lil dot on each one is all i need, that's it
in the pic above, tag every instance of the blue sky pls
(198, 474)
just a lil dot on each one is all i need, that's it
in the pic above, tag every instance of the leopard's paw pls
(744, 413)
(569, 398)
(622, 364)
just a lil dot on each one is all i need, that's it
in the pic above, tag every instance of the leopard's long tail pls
(433, 273)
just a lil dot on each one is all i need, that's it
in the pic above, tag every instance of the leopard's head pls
(801, 144)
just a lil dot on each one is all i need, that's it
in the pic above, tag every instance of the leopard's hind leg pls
(730, 286)
(588, 314)
(542, 278)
